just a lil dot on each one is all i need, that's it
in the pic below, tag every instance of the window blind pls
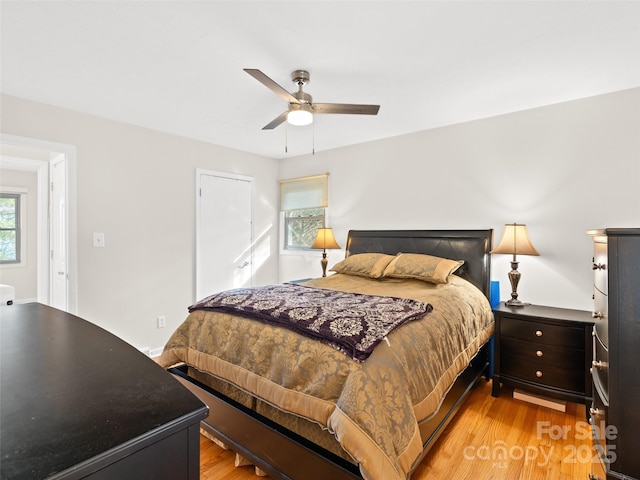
(304, 192)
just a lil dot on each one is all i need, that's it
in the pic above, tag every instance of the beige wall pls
(138, 187)
(561, 169)
(23, 277)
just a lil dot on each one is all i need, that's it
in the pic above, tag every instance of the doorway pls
(56, 260)
(224, 232)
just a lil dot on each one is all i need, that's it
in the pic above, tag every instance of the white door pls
(58, 233)
(224, 250)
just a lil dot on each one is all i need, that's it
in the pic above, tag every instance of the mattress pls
(367, 411)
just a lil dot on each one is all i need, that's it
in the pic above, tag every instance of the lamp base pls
(324, 262)
(514, 279)
(514, 302)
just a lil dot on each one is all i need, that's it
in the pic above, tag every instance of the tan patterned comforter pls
(374, 407)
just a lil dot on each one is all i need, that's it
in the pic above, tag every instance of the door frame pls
(43, 230)
(233, 176)
(54, 196)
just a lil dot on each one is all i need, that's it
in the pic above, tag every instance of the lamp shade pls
(325, 239)
(515, 240)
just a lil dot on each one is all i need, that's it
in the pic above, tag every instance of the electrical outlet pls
(162, 321)
(98, 240)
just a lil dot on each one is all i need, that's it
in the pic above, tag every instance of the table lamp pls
(325, 239)
(515, 241)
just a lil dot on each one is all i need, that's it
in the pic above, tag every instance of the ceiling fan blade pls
(346, 108)
(276, 121)
(271, 85)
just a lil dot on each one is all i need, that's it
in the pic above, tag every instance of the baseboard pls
(155, 352)
(24, 300)
(151, 352)
(559, 405)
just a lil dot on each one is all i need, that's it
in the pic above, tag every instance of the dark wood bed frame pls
(282, 454)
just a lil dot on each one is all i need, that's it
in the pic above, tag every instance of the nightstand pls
(543, 350)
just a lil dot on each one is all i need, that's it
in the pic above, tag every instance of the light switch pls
(98, 239)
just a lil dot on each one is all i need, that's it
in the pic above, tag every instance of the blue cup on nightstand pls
(494, 294)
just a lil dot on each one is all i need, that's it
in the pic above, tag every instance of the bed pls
(298, 408)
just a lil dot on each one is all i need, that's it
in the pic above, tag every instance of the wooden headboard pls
(472, 246)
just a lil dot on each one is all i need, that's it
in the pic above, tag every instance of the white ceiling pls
(176, 66)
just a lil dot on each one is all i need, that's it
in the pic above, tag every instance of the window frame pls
(298, 194)
(288, 220)
(17, 228)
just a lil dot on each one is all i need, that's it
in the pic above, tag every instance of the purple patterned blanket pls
(351, 322)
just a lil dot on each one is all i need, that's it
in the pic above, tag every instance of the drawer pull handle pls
(538, 333)
(599, 266)
(538, 374)
(599, 364)
(539, 353)
(595, 412)
(594, 477)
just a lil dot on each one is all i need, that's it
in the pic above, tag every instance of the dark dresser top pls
(71, 393)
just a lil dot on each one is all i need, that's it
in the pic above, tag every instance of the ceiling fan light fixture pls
(300, 114)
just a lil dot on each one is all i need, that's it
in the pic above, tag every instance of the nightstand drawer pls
(547, 375)
(543, 333)
(539, 354)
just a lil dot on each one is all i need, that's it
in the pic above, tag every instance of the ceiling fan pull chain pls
(286, 139)
(313, 138)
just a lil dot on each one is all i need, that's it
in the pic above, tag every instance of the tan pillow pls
(422, 267)
(370, 265)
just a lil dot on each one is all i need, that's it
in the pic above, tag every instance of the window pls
(9, 228)
(301, 226)
(303, 202)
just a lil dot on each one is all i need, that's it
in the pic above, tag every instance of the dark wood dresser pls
(76, 402)
(615, 413)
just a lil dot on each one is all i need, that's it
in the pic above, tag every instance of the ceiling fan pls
(301, 108)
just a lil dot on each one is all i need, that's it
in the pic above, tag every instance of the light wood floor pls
(490, 438)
